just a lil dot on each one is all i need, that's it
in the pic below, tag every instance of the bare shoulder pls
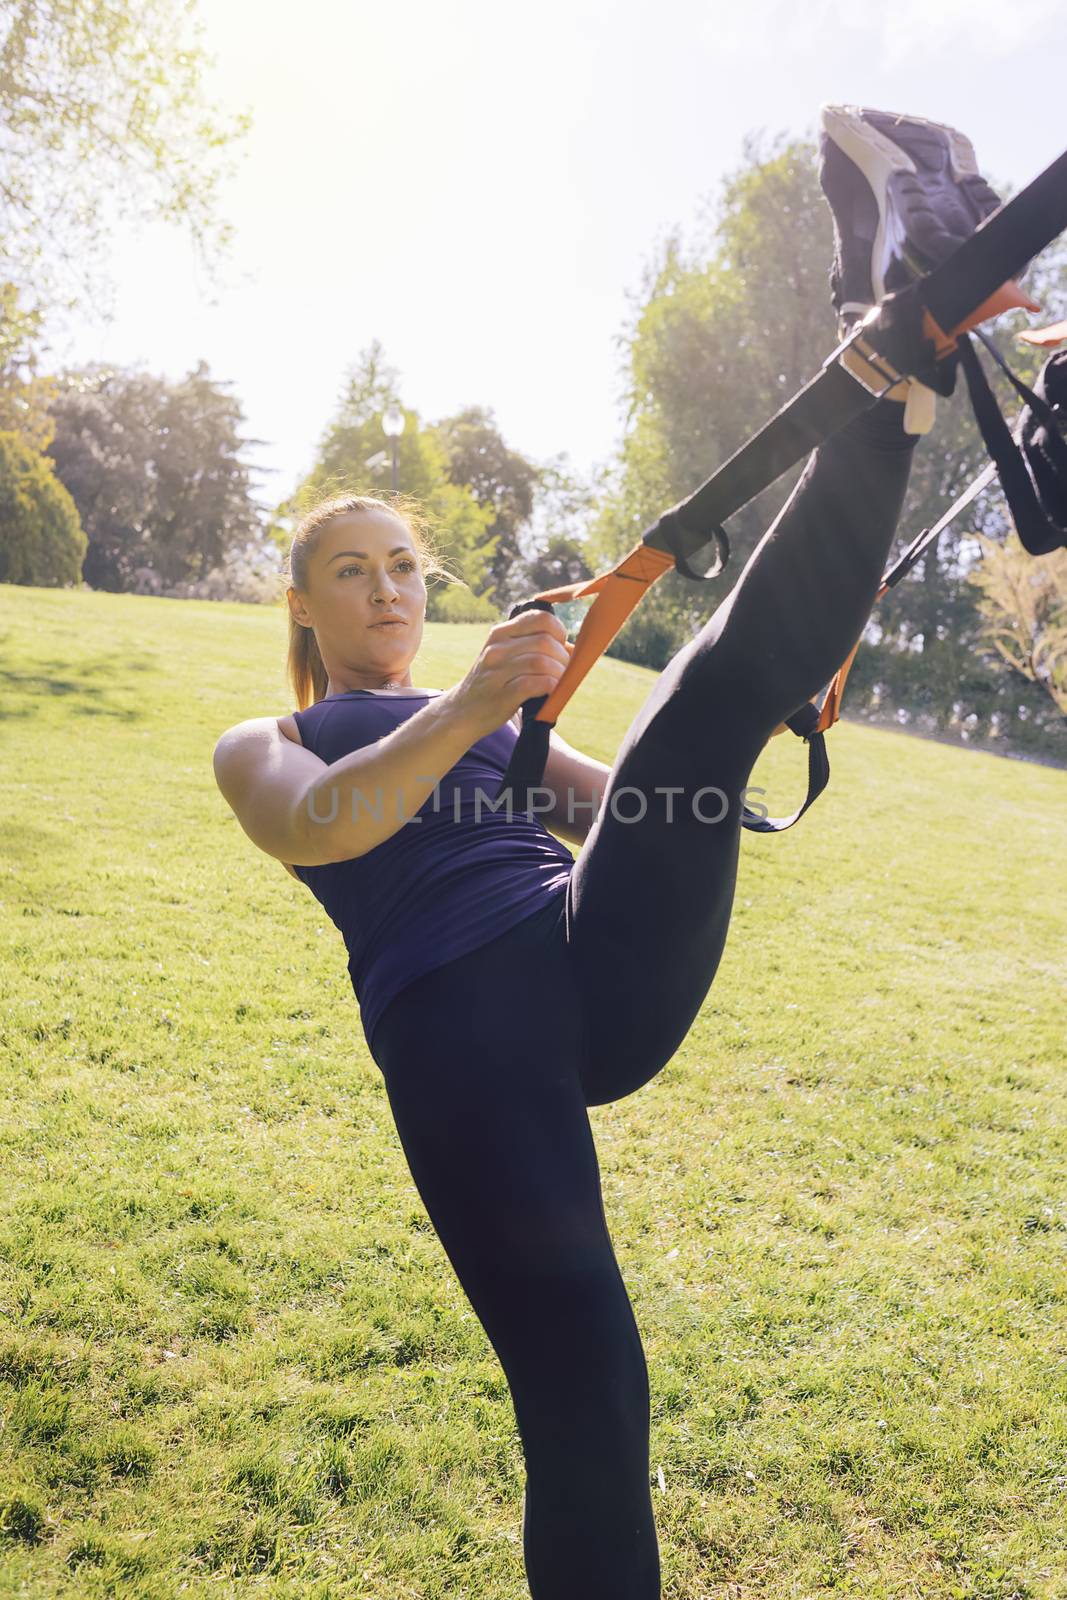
(288, 726)
(234, 745)
(253, 730)
(240, 748)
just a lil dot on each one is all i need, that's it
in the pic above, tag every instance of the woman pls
(506, 987)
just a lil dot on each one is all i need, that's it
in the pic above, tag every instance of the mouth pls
(390, 622)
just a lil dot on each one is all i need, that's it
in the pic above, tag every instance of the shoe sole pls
(879, 158)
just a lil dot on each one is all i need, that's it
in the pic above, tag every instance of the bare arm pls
(303, 811)
(298, 809)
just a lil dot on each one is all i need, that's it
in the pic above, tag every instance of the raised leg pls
(650, 897)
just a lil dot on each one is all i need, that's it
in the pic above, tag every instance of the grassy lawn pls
(233, 1358)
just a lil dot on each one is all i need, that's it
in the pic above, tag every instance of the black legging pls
(491, 1060)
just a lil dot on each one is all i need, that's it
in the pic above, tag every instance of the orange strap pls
(617, 593)
(1009, 297)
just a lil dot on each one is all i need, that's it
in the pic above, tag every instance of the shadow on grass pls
(89, 694)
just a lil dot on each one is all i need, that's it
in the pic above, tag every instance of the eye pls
(407, 565)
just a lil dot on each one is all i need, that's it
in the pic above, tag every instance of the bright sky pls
(479, 184)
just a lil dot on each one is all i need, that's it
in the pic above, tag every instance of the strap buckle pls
(672, 530)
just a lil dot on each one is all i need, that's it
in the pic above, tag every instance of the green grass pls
(233, 1357)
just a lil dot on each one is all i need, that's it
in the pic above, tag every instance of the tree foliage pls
(103, 116)
(355, 457)
(250, 573)
(502, 481)
(1023, 604)
(722, 334)
(41, 539)
(156, 471)
(25, 393)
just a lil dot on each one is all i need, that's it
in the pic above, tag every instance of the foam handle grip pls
(527, 765)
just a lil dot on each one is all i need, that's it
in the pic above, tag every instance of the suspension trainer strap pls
(917, 330)
(956, 294)
(617, 593)
(1037, 532)
(804, 723)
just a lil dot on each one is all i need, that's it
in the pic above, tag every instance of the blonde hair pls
(306, 671)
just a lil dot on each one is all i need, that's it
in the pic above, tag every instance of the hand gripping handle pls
(527, 765)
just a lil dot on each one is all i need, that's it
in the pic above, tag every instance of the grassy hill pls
(233, 1358)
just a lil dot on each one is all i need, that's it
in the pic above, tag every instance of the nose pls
(384, 592)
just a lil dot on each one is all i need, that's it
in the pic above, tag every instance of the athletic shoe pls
(904, 192)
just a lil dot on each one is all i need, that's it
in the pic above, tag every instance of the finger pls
(553, 649)
(547, 667)
(535, 622)
(537, 663)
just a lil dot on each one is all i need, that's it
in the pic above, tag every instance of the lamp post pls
(393, 427)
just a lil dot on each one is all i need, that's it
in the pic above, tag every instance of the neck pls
(400, 679)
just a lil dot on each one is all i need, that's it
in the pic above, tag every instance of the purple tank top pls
(452, 878)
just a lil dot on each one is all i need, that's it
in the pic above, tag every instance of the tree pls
(934, 608)
(502, 481)
(41, 539)
(352, 459)
(250, 573)
(553, 544)
(927, 652)
(1023, 604)
(721, 335)
(25, 395)
(104, 117)
(156, 471)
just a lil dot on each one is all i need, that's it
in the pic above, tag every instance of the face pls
(365, 568)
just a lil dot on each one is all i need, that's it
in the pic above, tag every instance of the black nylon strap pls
(1041, 438)
(1036, 532)
(1000, 248)
(675, 533)
(1054, 446)
(526, 767)
(818, 774)
(825, 404)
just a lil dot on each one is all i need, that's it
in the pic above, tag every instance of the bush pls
(454, 602)
(955, 693)
(251, 573)
(41, 537)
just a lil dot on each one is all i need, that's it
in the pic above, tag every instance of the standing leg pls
(650, 897)
(481, 1062)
